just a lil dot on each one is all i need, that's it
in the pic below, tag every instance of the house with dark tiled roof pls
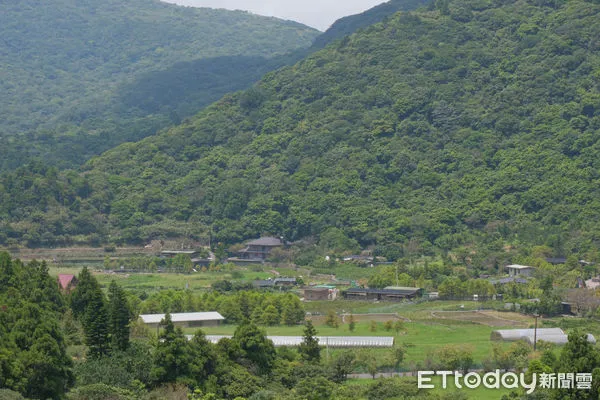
(271, 283)
(392, 293)
(260, 249)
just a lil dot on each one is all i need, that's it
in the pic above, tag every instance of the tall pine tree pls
(80, 297)
(172, 357)
(95, 324)
(118, 317)
(309, 348)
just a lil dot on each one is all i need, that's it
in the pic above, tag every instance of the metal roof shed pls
(188, 320)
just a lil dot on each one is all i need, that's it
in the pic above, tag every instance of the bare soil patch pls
(486, 317)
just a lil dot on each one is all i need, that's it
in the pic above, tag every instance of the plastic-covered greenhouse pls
(325, 341)
(551, 335)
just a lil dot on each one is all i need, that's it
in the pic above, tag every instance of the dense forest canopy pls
(467, 123)
(352, 23)
(72, 72)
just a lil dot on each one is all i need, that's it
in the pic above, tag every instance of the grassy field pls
(151, 282)
(421, 336)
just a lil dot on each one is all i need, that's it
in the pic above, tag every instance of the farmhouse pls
(260, 249)
(67, 282)
(519, 270)
(391, 293)
(263, 283)
(271, 283)
(320, 292)
(185, 320)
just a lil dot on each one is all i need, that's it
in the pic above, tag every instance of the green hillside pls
(473, 125)
(352, 23)
(71, 72)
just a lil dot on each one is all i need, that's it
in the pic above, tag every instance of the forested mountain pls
(352, 23)
(72, 72)
(469, 124)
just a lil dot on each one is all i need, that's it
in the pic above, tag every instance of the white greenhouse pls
(550, 335)
(325, 341)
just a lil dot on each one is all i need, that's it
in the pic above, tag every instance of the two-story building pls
(260, 249)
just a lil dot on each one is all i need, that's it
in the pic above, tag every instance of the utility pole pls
(536, 315)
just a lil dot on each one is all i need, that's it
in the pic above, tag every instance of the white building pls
(185, 320)
(520, 270)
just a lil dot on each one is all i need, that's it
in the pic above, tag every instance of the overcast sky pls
(319, 14)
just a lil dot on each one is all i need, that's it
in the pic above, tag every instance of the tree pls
(309, 348)
(292, 311)
(95, 324)
(172, 358)
(342, 365)
(452, 288)
(368, 360)
(399, 352)
(71, 329)
(455, 358)
(579, 356)
(33, 357)
(317, 388)
(388, 325)
(398, 326)
(270, 316)
(351, 323)
(332, 320)
(203, 358)
(373, 326)
(118, 317)
(47, 367)
(86, 288)
(256, 349)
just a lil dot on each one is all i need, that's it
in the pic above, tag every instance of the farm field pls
(423, 330)
(420, 337)
(76, 255)
(151, 282)
(427, 325)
